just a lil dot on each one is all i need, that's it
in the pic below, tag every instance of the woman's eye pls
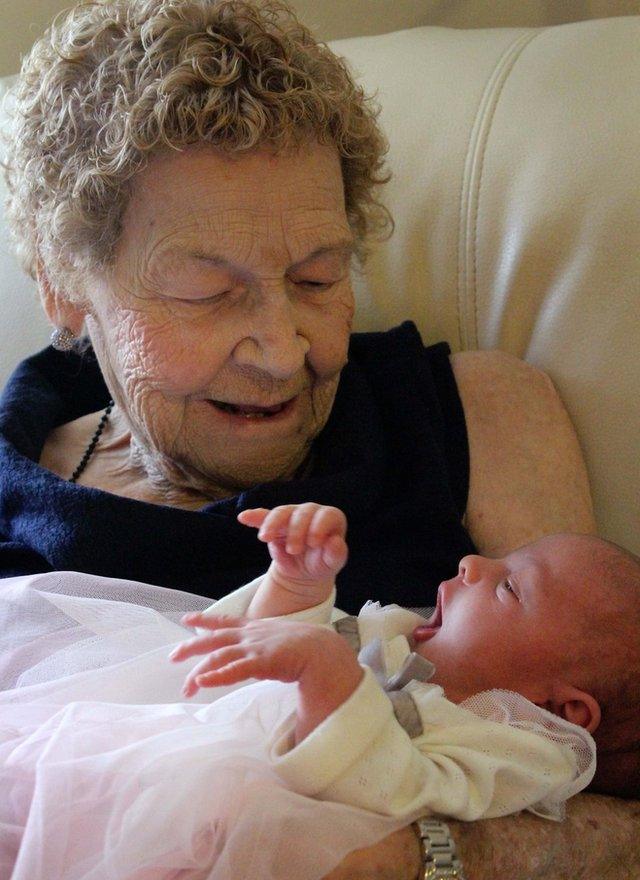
(314, 285)
(200, 300)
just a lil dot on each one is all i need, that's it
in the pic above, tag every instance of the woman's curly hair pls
(114, 82)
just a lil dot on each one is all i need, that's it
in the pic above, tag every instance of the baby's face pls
(512, 623)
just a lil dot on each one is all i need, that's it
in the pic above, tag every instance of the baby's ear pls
(575, 705)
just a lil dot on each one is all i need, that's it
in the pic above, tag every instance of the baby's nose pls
(474, 569)
(468, 569)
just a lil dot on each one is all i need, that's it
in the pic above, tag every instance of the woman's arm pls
(527, 474)
(599, 838)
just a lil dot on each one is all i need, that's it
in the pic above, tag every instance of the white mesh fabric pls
(67, 627)
(507, 707)
(105, 774)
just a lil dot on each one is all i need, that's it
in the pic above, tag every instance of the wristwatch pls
(439, 857)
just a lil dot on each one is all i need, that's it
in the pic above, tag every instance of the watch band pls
(438, 851)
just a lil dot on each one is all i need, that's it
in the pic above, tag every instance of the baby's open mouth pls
(435, 621)
(249, 410)
(430, 627)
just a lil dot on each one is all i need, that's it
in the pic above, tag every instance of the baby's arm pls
(460, 765)
(307, 547)
(317, 658)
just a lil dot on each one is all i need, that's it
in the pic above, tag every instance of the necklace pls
(84, 461)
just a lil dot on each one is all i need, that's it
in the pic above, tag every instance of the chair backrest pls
(516, 196)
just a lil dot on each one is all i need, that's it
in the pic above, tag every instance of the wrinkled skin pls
(230, 283)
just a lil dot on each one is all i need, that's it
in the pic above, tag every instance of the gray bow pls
(414, 668)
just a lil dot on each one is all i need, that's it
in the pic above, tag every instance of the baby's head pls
(557, 621)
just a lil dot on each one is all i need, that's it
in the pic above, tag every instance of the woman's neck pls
(121, 466)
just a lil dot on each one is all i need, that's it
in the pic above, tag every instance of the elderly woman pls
(190, 183)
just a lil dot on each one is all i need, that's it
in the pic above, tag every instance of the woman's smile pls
(241, 414)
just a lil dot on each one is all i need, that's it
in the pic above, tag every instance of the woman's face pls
(223, 324)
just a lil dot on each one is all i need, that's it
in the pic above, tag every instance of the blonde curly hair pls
(113, 83)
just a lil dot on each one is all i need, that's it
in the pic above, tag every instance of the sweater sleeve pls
(460, 766)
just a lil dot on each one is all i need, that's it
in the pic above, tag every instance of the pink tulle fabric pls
(105, 774)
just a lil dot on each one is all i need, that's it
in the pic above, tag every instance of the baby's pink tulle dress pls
(107, 774)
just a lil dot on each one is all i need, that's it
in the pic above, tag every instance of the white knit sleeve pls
(236, 604)
(461, 766)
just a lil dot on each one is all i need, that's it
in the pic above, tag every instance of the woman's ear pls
(575, 705)
(60, 310)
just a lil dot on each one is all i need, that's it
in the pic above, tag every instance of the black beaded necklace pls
(92, 445)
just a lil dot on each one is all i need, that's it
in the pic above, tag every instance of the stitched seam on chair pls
(471, 185)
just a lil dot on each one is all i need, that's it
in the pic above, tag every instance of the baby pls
(555, 622)
(360, 726)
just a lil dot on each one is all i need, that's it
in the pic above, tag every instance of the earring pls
(62, 339)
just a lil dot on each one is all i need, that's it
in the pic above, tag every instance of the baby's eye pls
(508, 587)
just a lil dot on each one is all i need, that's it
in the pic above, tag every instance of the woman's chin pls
(212, 479)
(273, 465)
(221, 452)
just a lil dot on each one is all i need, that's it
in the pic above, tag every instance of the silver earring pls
(62, 339)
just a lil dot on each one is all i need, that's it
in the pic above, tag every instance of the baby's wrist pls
(279, 595)
(311, 591)
(329, 679)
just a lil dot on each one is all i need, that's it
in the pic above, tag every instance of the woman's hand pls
(236, 649)
(397, 857)
(307, 545)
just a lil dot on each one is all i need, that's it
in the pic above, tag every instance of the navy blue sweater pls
(393, 456)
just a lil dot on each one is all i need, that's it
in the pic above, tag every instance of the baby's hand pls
(307, 546)
(236, 649)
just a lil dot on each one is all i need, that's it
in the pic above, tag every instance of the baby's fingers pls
(226, 633)
(298, 537)
(208, 620)
(216, 660)
(254, 517)
(326, 522)
(328, 559)
(335, 553)
(231, 673)
(276, 524)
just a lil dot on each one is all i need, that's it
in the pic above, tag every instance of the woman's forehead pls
(182, 204)
(300, 176)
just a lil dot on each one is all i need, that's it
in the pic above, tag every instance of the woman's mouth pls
(251, 410)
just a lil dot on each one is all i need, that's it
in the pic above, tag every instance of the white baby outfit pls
(107, 774)
(495, 754)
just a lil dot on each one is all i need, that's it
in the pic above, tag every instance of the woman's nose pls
(274, 343)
